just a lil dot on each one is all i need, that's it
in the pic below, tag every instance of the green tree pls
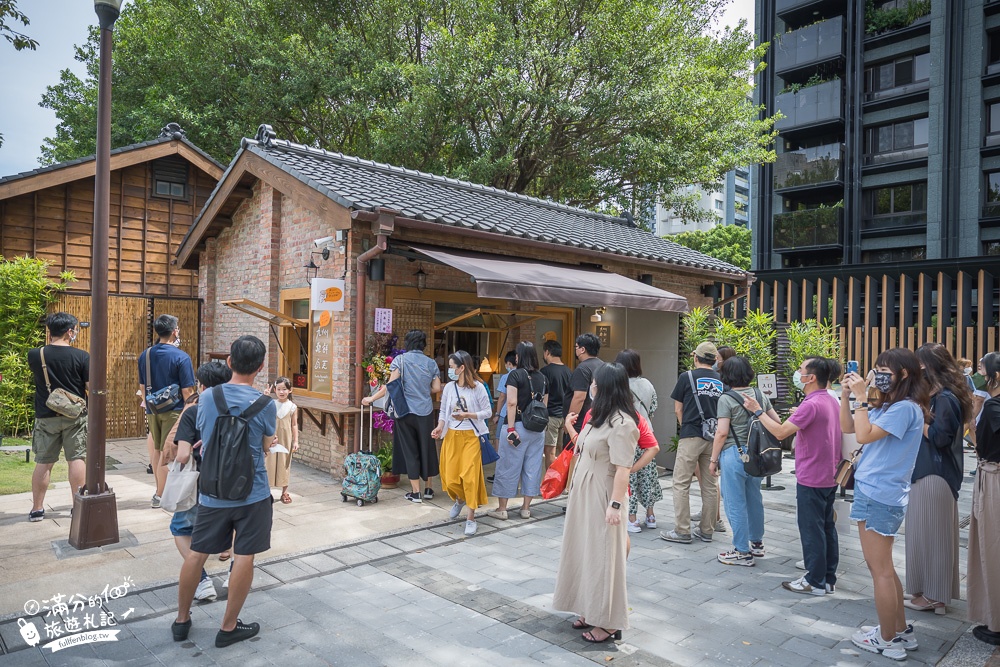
(599, 103)
(730, 243)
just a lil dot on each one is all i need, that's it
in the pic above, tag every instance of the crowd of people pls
(911, 418)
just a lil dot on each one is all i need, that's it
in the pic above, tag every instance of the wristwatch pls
(758, 413)
(615, 505)
(859, 405)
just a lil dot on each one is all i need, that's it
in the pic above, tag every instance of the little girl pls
(286, 434)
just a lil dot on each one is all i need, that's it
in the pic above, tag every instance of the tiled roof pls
(365, 185)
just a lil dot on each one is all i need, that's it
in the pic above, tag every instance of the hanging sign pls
(383, 320)
(768, 385)
(327, 294)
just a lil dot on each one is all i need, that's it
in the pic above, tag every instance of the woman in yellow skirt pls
(465, 407)
(286, 434)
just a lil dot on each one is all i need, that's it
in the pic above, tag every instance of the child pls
(286, 435)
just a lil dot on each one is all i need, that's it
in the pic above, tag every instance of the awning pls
(500, 277)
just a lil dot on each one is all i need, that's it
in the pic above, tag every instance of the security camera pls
(319, 243)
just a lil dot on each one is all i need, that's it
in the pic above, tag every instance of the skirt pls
(983, 580)
(645, 486)
(414, 452)
(462, 468)
(932, 540)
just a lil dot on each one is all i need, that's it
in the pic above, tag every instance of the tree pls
(10, 13)
(605, 104)
(730, 243)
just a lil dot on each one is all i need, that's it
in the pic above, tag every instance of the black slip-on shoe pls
(241, 632)
(180, 630)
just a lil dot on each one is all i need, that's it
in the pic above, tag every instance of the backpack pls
(535, 416)
(761, 453)
(227, 467)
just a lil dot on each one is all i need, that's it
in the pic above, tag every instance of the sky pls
(58, 25)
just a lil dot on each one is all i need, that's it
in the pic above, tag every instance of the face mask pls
(176, 342)
(715, 367)
(883, 381)
(72, 337)
(967, 371)
(797, 381)
(591, 392)
(452, 374)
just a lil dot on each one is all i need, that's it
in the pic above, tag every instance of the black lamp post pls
(95, 514)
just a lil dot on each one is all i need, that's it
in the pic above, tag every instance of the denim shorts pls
(182, 524)
(878, 517)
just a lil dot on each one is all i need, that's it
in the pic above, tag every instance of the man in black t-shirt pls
(693, 450)
(558, 377)
(67, 368)
(577, 396)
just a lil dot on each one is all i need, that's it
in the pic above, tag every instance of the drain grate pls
(965, 521)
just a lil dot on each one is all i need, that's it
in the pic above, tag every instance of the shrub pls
(810, 339)
(753, 337)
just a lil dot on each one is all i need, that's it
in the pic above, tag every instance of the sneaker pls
(695, 518)
(908, 636)
(831, 589)
(757, 549)
(205, 590)
(456, 509)
(180, 630)
(428, 494)
(490, 479)
(650, 521)
(155, 503)
(633, 527)
(498, 514)
(696, 532)
(525, 513)
(720, 527)
(674, 536)
(470, 528)
(241, 632)
(36, 515)
(800, 564)
(734, 557)
(413, 498)
(800, 585)
(149, 469)
(872, 641)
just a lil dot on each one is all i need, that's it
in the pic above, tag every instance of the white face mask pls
(797, 381)
(967, 371)
(176, 342)
(72, 337)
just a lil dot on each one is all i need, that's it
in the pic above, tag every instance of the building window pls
(993, 52)
(993, 118)
(991, 248)
(170, 177)
(896, 137)
(718, 205)
(898, 73)
(992, 207)
(894, 255)
(896, 206)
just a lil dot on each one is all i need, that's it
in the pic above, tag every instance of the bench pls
(18, 448)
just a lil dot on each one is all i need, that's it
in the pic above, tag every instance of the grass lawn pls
(15, 474)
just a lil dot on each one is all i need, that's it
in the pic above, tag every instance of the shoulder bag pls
(535, 416)
(486, 450)
(709, 425)
(163, 400)
(60, 401)
(396, 406)
(845, 469)
(761, 454)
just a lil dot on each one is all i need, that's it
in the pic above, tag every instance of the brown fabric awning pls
(500, 277)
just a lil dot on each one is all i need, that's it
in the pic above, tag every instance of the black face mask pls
(883, 381)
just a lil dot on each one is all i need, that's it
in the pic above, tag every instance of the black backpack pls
(535, 416)
(227, 467)
(761, 453)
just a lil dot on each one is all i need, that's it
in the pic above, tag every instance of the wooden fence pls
(130, 329)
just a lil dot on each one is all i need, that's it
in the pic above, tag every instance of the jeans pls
(742, 500)
(818, 533)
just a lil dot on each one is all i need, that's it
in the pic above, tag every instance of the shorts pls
(214, 526)
(553, 432)
(160, 425)
(182, 523)
(878, 517)
(54, 433)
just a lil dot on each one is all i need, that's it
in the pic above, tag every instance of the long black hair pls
(613, 395)
(527, 356)
(991, 370)
(943, 372)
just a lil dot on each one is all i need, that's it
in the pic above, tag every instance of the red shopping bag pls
(555, 477)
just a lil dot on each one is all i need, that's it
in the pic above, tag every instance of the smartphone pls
(852, 367)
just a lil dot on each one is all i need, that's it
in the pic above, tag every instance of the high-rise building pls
(882, 210)
(729, 206)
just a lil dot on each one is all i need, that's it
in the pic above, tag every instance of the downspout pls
(382, 228)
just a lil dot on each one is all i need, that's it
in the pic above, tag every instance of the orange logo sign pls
(333, 294)
(324, 316)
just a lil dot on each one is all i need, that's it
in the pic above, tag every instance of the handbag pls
(761, 454)
(60, 401)
(180, 493)
(163, 400)
(845, 469)
(486, 450)
(556, 476)
(708, 426)
(396, 406)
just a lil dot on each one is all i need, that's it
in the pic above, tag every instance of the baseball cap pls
(707, 350)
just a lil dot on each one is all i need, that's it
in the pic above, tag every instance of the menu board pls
(321, 352)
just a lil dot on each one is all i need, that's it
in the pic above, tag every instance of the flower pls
(388, 360)
(373, 383)
(370, 369)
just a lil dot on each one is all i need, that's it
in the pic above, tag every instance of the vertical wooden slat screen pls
(822, 301)
(925, 307)
(780, 313)
(854, 317)
(794, 301)
(808, 291)
(888, 322)
(944, 302)
(963, 312)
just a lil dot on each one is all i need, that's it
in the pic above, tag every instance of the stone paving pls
(429, 596)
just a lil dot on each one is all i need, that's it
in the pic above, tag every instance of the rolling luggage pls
(362, 472)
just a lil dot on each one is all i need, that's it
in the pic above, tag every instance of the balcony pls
(798, 11)
(806, 47)
(991, 209)
(808, 230)
(810, 107)
(811, 167)
(894, 221)
(891, 157)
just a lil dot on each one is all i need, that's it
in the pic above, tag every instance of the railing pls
(914, 219)
(896, 156)
(786, 6)
(813, 105)
(898, 91)
(817, 43)
(809, 166)
(811, 228)
(991, 209)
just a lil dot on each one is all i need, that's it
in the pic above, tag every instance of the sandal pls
(581, 624)
(610, 636)
(224, 556)
(285, 498)
(938, 608)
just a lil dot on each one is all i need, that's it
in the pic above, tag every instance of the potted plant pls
(384, 456)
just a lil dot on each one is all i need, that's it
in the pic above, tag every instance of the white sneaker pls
(872, 641)
(633, 527)
(205, 590)
(456, 509)
(800, 564)
(800, 585)
(470, 528)
(650, 521)
(695, 518)
(831, 589)
(720, 527)
(908, 636)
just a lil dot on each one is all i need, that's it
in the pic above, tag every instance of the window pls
(992, 207)
(170, 175)
(896, 137)
(993, 118)
(894, 255)
(718, 204)
(991, 248)
(896, 205)
(897, 73)
(993, 52)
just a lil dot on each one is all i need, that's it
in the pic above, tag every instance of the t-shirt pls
(169, 365)
(643, 396)
(817, 442)
(418, 372)
(558, 377)
(69, 369)
(580, 380)
(238, 397)
(518, 379)
(709, 387)
(988, 432)
(647, 438)
(883, 473)
(502, 389)
(187, 430)
(738, 416)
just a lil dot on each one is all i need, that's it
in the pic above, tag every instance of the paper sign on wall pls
(383, 320)
(768, 385)
(327, 294)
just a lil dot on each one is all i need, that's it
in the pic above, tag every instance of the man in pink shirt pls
(817, 453)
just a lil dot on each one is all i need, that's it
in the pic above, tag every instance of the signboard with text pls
(768, 385)
(327, 294)
(383, 320)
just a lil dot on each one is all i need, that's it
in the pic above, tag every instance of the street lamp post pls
(95, 513)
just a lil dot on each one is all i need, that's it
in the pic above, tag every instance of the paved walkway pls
(428, 596)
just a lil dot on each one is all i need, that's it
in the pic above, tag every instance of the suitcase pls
(362, 471)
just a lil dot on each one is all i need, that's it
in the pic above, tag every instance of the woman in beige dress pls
(591, 578)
